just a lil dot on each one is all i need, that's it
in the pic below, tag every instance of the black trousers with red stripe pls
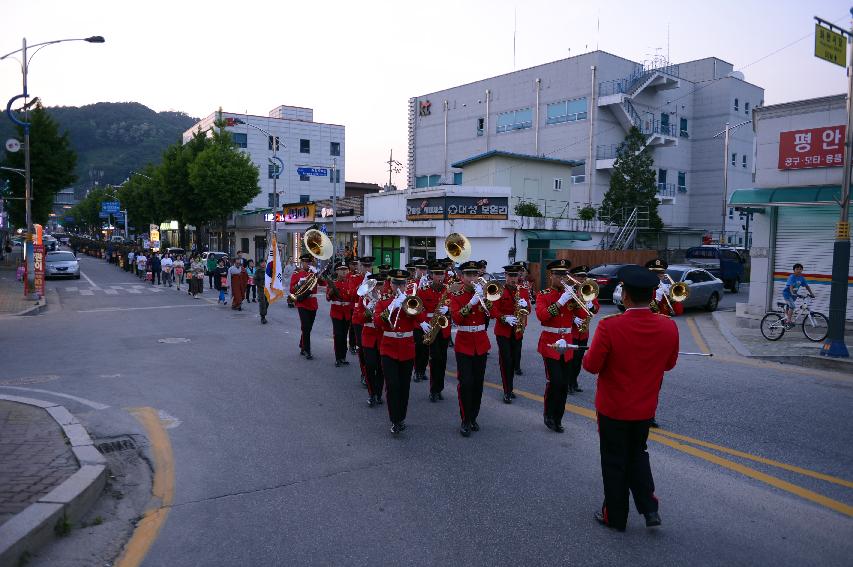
(625, 468)
(509, 357)
(471, 370)
(357, 330)
(577, 360)
(557, 374)
(373, 371)
(340, 327)
(398, 379)
(306, 323)
(421, 352)
(437, 363)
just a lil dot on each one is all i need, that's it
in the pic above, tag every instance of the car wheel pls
(77, 277)
(713, 302)
(735, 285)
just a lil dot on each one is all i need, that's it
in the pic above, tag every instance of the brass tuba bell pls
(318, 244)
(458, 247)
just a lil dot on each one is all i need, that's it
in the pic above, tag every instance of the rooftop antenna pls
(514, 30)
(667, 43)
(597, 29)
(394, 166)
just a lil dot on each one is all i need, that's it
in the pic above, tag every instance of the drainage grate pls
(115, 444)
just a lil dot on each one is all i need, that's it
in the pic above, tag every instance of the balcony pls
(666, 193)
(605, 155)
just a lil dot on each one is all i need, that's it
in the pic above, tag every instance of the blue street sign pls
(118, 217)
(103, 215)
(315, 171)
(110, 207)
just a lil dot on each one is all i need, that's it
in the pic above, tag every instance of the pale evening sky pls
(357, 63)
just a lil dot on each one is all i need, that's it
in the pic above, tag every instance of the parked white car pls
(62, 264)
(705, 290)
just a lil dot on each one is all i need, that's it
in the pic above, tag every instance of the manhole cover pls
(173, 340)
(29, 380)
(115, 444)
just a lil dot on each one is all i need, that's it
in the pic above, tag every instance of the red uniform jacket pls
(663, 308)
(470, 343)
(397, 347)
(340, 303)
(430, 296)
(556, 323)
(581, 313)
(370, 334)
(506, 306)
(310, 302)
(630, 353)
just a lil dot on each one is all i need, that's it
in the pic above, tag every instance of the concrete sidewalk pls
(12, 301)
(50, 474)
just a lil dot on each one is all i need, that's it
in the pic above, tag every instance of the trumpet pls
(412, 305)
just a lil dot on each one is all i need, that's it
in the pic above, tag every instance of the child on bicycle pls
(789, 294)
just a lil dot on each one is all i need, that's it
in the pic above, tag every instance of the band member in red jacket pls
(354, 278)
(580, 332)
(526, 283)
(469, 309)
(306, 303)
(660, 302)
(630, 353)
(436, 298)
(508, 328)
(371, 336)
(339, 295)
(421, 280)
(553, 309)
(365, 266)
(397, 348)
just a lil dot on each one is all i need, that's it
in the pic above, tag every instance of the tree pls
(632, 183)
(173, 174)
(52, 164)
(527, 209)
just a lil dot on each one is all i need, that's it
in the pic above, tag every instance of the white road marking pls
(70, 289)
(134, 290)
(88, 279)
(83, 401)
(169, 421)
(111, 292)
(108, 309)
(87, 292)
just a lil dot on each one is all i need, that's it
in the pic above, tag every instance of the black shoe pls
(433, 398)
(475, 426)
(402, 425)
(263, 320)
(309, 357)
(507, 399)
(337, 364)
(371, 402)
(353, 350)
(652, 519)
(512, 395)
(558, 427)
(301, 353)
(363, 382)
(465, 430)
(654, 424)
(344, 361)
(395, 428)
(240, 308)
(440, 397)
(518, 372)
(599, 517)
(379, 401)
(549, 422)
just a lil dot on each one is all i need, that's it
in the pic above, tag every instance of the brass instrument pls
(320, 246)
(570, 284)
(457, 246)
(678, 292)
(438, 320)
(412, 305)
(520, 314)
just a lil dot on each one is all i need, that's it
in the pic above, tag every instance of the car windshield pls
(675, 274)
(60, 257)
(606, 270)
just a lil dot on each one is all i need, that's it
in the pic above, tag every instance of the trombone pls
(678, 292)
(582, 291)
(412, 305)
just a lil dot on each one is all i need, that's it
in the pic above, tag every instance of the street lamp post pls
(726, 133)
(25, 124)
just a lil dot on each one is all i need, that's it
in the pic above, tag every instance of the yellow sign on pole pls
(830, 46)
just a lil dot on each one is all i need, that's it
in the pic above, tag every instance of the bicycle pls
(815, 325)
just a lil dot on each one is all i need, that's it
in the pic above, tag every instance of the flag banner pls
(273, 282)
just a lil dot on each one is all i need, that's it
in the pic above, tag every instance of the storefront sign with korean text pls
(425, 209)
(38, 264)
(301, 212)
(491, 208)
(815, 147)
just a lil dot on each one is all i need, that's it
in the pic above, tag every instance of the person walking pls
(131, 259)
(211, 266)
(251, 285)
(220, 280)
(197, 277)
(259, 280)
(156, 268)
(166, 265)
(178, 267)
(630, 353)
(237, 280)
(436, 299)
(305, 303)
(509, 329)
(580, 329)
(141, 264)
(339, 296)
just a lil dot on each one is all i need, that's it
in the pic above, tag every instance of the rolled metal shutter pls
(806, 235)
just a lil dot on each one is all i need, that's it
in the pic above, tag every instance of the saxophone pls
(438, 320)
(520, 314)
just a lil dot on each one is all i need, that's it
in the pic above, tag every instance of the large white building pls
(578, 110)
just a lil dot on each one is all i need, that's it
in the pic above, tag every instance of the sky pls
(358, 63)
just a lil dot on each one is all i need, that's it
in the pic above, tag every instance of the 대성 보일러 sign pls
(452, 207)
(815, 147)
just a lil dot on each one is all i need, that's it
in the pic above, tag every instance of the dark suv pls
(605, 276)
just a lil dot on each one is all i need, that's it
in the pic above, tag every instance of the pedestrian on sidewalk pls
(167, 264)
(131, 261)
(156, 268)
(178, 266)
(251, 286)
(197, 277)
(237, 275)
(141, 265)
(259, 279)
(212, 265)
(220, 280)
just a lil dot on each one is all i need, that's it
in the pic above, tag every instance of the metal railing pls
(628, 84)
(666, 189)
(607, 151)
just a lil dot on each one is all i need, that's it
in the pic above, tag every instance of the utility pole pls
(726, 133)
(394, 166)
(334, 208)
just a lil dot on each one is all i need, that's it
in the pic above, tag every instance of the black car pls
(605, 276)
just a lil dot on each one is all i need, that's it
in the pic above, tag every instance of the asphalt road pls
(278, 460)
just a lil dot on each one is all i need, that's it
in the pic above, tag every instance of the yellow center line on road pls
(697, 336)
(163, 489)
(668, 438)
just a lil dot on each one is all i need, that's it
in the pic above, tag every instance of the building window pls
(736, 106)
(734, 160)
(422, 247)
(682, 128)
(244, 245)
(334, 176)
(272, 143)
(242, 140)
(746, 108)
(304, 146)
(273, 200)
(579, 174)
(558, 184)
(304, 177)
(386, 249)
(515, 120)
(334, 148)
(422, 181)
(682, 182)
(481, 125)
(457, 178)
(731, 213)
(434, 180)
(567, 111)
(744, 161)
(305, 198)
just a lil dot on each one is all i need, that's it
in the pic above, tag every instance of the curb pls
(40, 306)
(35, 526)
(729, 336)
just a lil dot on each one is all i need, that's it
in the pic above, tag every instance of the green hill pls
(113, 138)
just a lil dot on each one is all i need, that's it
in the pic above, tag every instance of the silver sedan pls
(62, 264)
(704, 289)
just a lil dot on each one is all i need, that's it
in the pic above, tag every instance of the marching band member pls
(339, 296)
(659, 303)
(365, 266)
(431, 296)
(508, 328)
(421, 280)
(469, 310)
(526, 283)
(354, 278)
(384, 270)
(580, 331)
(553, 310)
(370, 338)
(397, 348)
(307, 304)
(630, 352)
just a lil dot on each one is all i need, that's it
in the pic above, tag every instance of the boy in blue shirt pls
(792, 286)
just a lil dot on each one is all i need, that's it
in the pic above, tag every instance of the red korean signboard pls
(38, 264)
(815, 147)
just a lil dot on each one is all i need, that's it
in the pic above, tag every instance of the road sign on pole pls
(829, 45)
(110, 207)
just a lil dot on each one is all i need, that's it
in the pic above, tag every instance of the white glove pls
(511, 320)
(590, 305)
(478, 289)
(398, 302)
(578, 321)
(659, 295)
(567, 295)
(443, 309)
(425, 326)
(312, 269)
(478, 292)
(522, 302)
(298, 283)
(370, 305)
(562, 343)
